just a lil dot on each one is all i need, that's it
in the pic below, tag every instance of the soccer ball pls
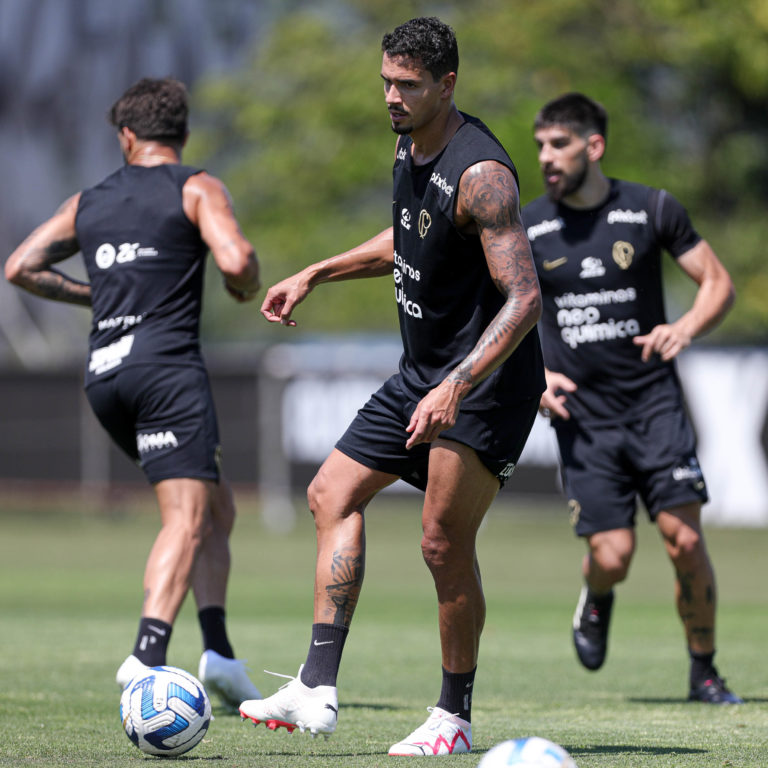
(533, 752)
(165, 711)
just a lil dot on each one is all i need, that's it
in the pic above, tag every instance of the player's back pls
(145, 262)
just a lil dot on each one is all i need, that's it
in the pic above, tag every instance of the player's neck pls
(151, 153)
(591, 193)
(430, 140)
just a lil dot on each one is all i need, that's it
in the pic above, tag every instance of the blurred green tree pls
(302, 139)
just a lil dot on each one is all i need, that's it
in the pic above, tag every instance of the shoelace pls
(289, 678)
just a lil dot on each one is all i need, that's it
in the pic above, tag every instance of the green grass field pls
(70, 594)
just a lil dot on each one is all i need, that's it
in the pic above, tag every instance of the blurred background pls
(287, 109)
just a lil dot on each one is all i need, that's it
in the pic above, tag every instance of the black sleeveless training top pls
(146, 262)
(601, 279)
(445, 296)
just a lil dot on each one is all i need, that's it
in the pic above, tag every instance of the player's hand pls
(238, 295)
(666, 340)
(554, 397)
(435, 413)
(282, 298)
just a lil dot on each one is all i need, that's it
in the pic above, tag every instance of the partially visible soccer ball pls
(533, 752)
(165, 711)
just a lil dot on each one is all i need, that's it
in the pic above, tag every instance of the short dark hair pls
(576, 112)
(426, 39)
(154, 109)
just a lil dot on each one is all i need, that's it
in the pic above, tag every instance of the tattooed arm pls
(30, 266)
(487, 205)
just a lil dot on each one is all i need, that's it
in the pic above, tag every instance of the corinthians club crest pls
(425, 222)
(623, 253)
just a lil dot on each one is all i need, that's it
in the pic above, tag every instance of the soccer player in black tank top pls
(144, 233)
(454, 420)
(612, 390)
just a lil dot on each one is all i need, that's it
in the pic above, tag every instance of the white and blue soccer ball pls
(165, 711)
(532, 752)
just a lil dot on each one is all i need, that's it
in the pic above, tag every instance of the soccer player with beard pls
(454, 420)
(613, 395)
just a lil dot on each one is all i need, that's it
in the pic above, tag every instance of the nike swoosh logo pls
(554, 263)
(157, 630)
(324, 642)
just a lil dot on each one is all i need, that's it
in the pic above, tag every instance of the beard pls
(567, 184)
(402, 130)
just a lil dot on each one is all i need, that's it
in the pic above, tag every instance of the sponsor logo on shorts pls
(156, 441)
(689, 473)
(507, 471)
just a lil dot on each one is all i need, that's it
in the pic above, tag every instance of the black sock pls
(214, 628)
(152, 642)
(456, 695)
(324, 657)
(702, 667)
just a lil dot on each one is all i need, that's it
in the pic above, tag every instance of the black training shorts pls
(163, 417)
(376, 437)
(605, 469)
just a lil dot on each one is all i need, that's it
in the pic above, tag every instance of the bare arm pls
(373, 258)
(487, 202)
(714, 298)
(208, 205)
(30, 266)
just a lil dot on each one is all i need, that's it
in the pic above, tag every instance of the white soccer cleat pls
(227, 678)
(442, 734)
(128, 670)
(296, 706)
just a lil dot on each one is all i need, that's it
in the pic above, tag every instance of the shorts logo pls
(623, 253)
(690, 472)
(507, 471)
(425, 222)
(156, 441)
(574, 512)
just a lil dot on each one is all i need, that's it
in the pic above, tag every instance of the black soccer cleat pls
(590, 627)
(713, 690)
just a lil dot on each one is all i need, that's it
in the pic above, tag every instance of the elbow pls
(13, 271)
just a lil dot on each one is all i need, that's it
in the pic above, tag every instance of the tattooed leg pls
(337, 498)
(695, 590)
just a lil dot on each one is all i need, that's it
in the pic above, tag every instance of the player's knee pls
(613, 564)
(441, 550)
(687, 546)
